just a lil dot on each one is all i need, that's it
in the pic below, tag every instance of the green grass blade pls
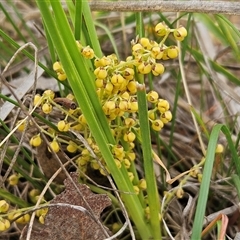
(207, 171)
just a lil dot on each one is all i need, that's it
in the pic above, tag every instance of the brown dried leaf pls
(65, 223)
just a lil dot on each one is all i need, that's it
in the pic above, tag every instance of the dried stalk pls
(232, 8)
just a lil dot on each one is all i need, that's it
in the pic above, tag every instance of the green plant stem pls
(153, 197)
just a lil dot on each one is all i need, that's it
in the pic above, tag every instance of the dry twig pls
(231, 8)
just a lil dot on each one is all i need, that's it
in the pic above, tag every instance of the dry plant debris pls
(66, 223)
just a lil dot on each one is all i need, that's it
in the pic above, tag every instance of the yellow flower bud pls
(63, 126)
(41, 219)
(136, 189)
(100, 72)
(126, 163)
(22, 125)
(157, 69)
(152, 96)
(116, 227)
(4, 224)
(131, 156)
(144, 68)
(49, 93)
(166, 117)
(142, 184)
(87, 52)
(199, 177)
(47, 108)
(157, 52)
(117, 79)
(99, 83)
(137, 49)
(219, 148)
(55, 146)
(36, 141)
(118, 163)
(23, 219)
(163, 105)
(131, 176)
(118, 149)
(57, 66)
(133, 106)
(180, 33)
(128, 73)
(61, 76)
(180, 193)
(145, 43)
(129, 137)
(4, 206)
(172, 52)
(157, 125)
(72, 147)
(37, 100)
(129, 122)
(161, 29)
(132, 87)
(151, 115)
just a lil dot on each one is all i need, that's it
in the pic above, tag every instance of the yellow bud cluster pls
(58, 68)
(116, 88)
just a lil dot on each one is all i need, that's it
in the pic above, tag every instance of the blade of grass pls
(153, 197)
(13, 199)
(207, 171)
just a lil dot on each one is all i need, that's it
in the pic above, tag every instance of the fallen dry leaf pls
(65, 223)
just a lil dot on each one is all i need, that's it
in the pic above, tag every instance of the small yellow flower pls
(131, 176)
(144, 68)
(166, 117)
(49, 93)
(145, 43)
(132, 87)
(61, 76)
(157, 69)
(47, 108)
(180, 33)
(117, 79)
(136, 189)
(152, 96)
(128, 73)
(4, 224)
(72, 147)
(157, 52)
(100, 72)
(163, 105)
(142, 184)
(55, 146)
(87, 52)
(219, 148)
(157, 125)
(172, 52)
(4, 206)
(180, 193)
(129, 137)
(36, 141)
(37, 100)
(161, 29)
(63, 126)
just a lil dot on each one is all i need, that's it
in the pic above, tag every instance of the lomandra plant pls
(112, 106)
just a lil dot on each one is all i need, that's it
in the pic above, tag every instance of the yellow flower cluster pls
(116, 88)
